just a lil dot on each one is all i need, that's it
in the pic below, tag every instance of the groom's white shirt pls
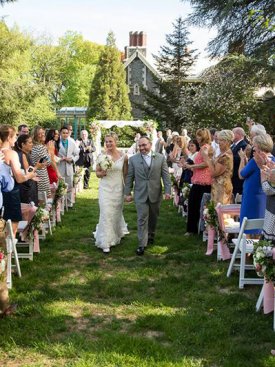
(148, 158)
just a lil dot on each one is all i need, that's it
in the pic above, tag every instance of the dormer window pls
(136, 90)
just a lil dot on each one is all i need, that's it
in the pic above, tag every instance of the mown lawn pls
(172, 307)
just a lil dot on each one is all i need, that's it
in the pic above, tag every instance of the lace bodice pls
(113, 181)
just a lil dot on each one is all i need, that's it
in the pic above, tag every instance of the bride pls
(111, 227)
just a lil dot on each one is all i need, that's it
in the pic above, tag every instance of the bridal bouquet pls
(210, 215)
(264, 259)
(105, 161)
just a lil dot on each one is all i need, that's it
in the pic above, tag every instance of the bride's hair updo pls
(113, 135)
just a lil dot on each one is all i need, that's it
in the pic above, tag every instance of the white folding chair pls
(11, 252)
(244, 246)
(27, 243)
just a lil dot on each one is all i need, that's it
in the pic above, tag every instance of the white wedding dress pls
(111, 227)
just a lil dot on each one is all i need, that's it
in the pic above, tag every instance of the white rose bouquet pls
(105, 161)
(264, 259)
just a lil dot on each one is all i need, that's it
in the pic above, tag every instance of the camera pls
(30, 169)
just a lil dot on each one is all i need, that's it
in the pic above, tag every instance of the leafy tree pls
(2, 2)
(17, 90)
(225, 97)
(80, 70)
(49, 65)
(174, 63)
(243, 26)
(109, 95)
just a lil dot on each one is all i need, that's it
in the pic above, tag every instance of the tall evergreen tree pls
(109, 93)
(174, 63)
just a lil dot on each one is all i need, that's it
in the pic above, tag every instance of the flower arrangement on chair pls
(61, 190)
(78, 175)
(41, 216)
(211, 219)
(185, 191)
(210, 215)
(264, 259)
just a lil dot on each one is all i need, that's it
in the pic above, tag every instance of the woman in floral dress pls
(221, 169)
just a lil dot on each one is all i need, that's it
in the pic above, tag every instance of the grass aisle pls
(172, 307)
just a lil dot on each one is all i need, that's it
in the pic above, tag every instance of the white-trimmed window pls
(136, 90)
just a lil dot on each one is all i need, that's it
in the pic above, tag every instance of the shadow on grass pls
(172, 307)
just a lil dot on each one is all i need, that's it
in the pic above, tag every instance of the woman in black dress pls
(28, 189)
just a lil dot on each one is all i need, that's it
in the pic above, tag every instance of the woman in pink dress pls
(201, 180)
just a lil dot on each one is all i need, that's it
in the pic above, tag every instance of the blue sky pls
(95, 18)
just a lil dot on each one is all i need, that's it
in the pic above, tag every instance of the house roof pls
(143, 59)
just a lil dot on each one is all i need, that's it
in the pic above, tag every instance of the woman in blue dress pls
(254, 199)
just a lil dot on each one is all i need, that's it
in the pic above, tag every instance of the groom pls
(146, 169)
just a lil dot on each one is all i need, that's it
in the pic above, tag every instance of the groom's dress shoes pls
(140, 251)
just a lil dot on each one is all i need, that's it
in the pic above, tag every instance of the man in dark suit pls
(238, 144)
(86, 149)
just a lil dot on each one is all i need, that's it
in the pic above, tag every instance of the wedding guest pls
(68, 153)
(255, 130)
(221, 169)
(134, 147)
(159, 143)
(179, 151)
(39, 154)
(86, 149)
(239, 143)
(28, 189)
(215, 142)
(184, 133)
(201, 180)
(70, 131)
(254, 199)
(51, 141)
(193, 148)
(269, 189)
(170, 147)
(11, 199)
(6, 179)
(6, 184)
(168, 138)
(23, 129)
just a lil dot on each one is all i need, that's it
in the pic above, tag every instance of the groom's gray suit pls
(147, 191)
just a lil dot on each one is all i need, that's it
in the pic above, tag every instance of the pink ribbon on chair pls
(224, 250)
(268, 297)
(58, 211)
(210, 240)
(269, 293)
(36, 244)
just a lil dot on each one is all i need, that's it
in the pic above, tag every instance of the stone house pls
(139, 72)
